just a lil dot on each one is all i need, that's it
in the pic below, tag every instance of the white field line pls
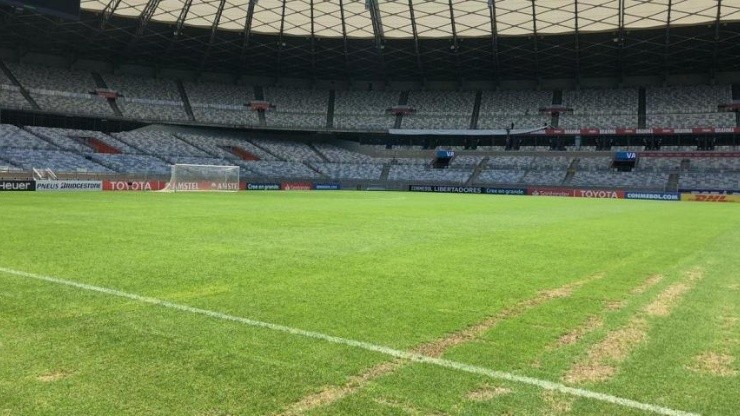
(453, 365)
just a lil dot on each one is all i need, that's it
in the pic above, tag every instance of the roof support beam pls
(248, 29)
(108, 12)
(715, 51)
(620, 42)
(577, 46)
(494, 40)
(144, 19)
(313, 44)
(212, 37)
(182, 17)
(417, 49)
(374, 9)
(667, 46)
(345, 46)
(535, 43)
(281, 43)
(455, 44)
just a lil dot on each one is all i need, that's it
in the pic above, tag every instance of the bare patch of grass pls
(557, 403)
(332, 394)
(602, 359)
(713, 363)
(53, 376)
(487, 393)
(647, 284)
(432, 349)
(573, 336)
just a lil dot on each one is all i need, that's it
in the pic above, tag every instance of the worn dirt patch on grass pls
(713, 363)
(433, 349)
(558, 404)
(53, 376)
(407, 408)
(615, 305)
(672, 295)
(487, 393)
(573, 336)
(438, 347)
(603, 358)
(332, 394)
(647, 284)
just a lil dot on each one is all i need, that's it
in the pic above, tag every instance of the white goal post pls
(203, 178)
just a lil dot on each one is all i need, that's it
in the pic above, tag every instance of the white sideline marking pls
(454, 365)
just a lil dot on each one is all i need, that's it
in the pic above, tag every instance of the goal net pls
(203, 178)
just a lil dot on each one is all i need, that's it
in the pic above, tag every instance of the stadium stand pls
(685, 107)
(14, 137)
(352, 171)
(147, 98)
(415, 172)
(440, 110)
(498, 109)
(61, 90)
(63, 161)
(221, 103)
(292, 151)
(600, 108)
(297, 107)
(364, 110)
(159, 143)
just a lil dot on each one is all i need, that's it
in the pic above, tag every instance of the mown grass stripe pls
(452, 365)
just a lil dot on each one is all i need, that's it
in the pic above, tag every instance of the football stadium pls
(370, 207)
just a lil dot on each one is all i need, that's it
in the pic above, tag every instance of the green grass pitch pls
(635, 299)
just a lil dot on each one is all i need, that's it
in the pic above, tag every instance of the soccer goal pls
(203, 178)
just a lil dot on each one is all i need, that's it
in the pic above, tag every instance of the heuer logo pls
(15, 186)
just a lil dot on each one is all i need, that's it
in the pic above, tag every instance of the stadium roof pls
(432, 18)
(395, 39)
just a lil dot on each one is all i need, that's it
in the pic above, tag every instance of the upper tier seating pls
(694, 106)
(61, 90)
(498, 109)
(221, 103)
(440, 110)
(364, 110)
(297, 107)
(147, 98)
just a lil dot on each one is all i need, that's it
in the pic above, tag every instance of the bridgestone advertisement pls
(6, 185)
(69, 186)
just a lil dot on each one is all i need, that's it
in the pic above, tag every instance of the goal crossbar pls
(203, 178)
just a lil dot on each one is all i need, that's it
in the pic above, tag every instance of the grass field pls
(635, 299)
